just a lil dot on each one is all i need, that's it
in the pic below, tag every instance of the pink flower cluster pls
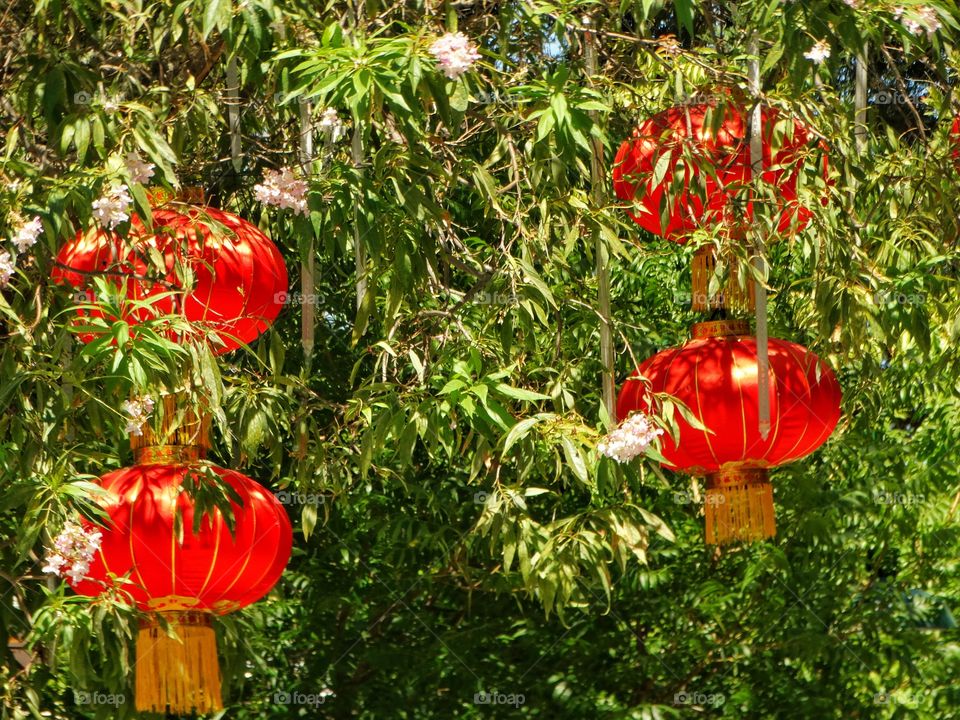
(138, 410)
(921, 19)
(138, 169)
(27, 234)
(455, 54)
(72, 552)
(24, 238)
(631, 438)
(8, 266)
(282, 189)
(112, 208)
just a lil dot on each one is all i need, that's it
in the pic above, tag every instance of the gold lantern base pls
(177, 668)
(739, 506)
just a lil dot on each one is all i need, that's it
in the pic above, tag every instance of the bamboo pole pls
(760, 290)
(600, 247)
(308, 286)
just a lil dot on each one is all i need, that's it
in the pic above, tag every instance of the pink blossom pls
(455, 54)
(139, 170)
(138, 410)
(331, 124)
(112, 207)
(920, 19)
(72, 552)
(819, 52)
(27, 234)
(282, 189)
(631, 438)
(8, 266)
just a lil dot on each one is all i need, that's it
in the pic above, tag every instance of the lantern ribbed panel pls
(716, 377)
(239, 276)
(211, 570)
(696, 138)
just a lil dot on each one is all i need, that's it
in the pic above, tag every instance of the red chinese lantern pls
(239, 276)
(699, 157)
(183, 577)
(715, 376)
(684, 147)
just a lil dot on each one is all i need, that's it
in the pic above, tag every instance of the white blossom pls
(72, 552)
(819, 52)
(282, 189)
(138, 410)
(138, 170)
(631, 438)
(455, 54)
(8, 266)
(112, 207)
(331, 124)
(852, 3)
(27, 234)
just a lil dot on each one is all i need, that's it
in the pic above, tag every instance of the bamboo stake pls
(760, 290)
(600, 248)
(308, 287)
(233, 113)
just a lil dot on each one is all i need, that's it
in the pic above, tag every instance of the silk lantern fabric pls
(211, 571)
(700, 155)
(717, 379)
(240, 279)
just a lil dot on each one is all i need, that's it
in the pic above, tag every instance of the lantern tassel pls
(739, 507)
(730, 297)
(178, 674)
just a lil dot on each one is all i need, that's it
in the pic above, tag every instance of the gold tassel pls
(179, 674)
(739, 506)
(183, 436)
(731, 296)
(701, 270)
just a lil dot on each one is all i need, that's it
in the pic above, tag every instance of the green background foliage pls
(456, 530)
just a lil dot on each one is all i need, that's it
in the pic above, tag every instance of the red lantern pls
(213, 571)
(703, 161)
(159, 563)
(715, 376)
(239, 276)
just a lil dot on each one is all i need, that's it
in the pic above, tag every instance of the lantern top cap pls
(191, 194)
(719, 328)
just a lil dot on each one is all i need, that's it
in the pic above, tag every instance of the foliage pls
(458, 533)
